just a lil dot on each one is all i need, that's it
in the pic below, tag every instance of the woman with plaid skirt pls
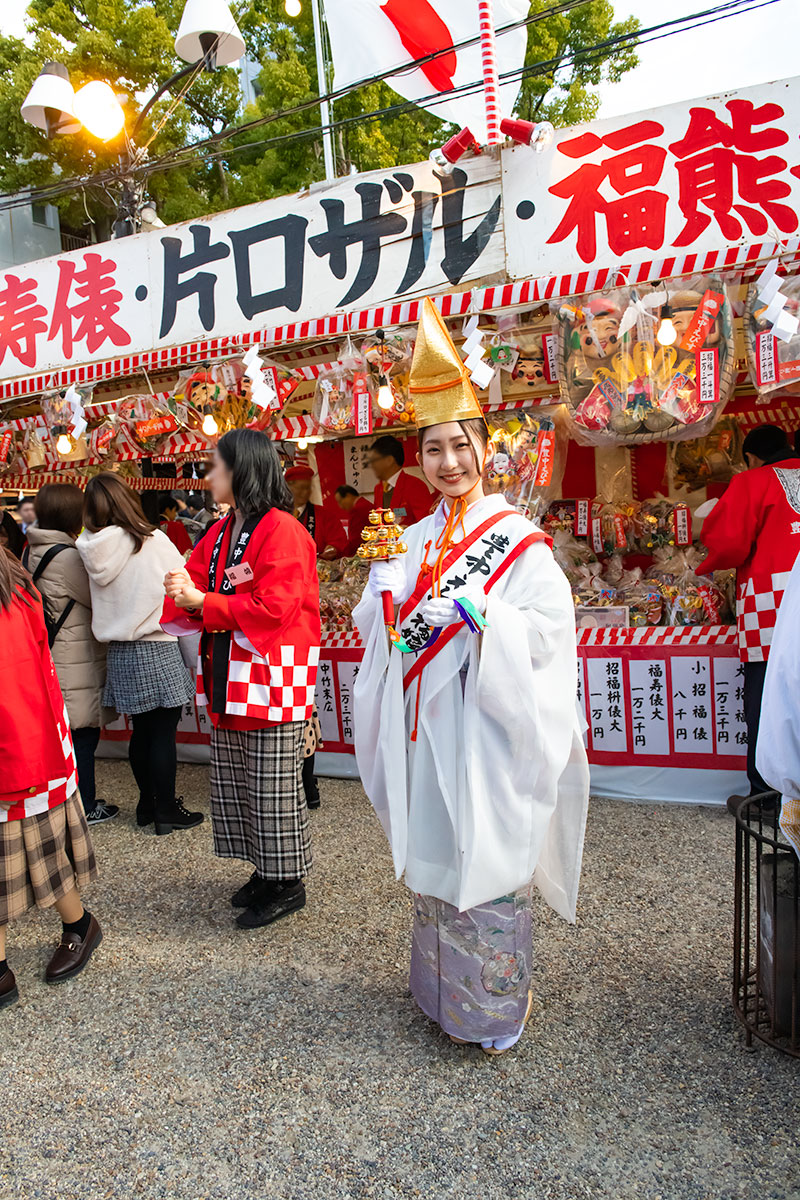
(251, 587)
(45, 849)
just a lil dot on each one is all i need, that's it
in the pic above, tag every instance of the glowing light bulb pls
(210, 426)
(99, 110)
(293, 8)
(302, 443)
(64, 444)
(667, 333)
(385, 397)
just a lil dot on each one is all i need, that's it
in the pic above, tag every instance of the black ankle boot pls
(175, 816)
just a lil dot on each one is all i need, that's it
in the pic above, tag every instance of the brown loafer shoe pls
(73, 954)
(8, 988)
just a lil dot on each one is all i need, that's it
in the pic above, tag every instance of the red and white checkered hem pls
(57, 792)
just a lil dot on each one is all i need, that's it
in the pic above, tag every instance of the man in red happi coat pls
(755, 528)
(397, 489)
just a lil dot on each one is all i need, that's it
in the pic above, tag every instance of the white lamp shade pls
(51, 91)
(212, 17)
(99, 110)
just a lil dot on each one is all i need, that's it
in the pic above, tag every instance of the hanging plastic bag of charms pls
(528, 457)
(773, 349)
(66, 419)
(646, 363)
(147, 420)
(387, 356)
(340, 389)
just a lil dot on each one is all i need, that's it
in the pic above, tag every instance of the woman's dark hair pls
(477, 432)
(111, 502)
(258, 484)
(14, 580)
(346, 490)
(16, 538)
(59, 506)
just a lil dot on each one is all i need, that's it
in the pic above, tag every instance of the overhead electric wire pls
(111, 174)
(598, 51)
(590, 54)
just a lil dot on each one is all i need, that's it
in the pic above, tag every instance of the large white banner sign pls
(661, 184)
(362, 241)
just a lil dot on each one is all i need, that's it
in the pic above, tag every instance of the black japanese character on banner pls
(202, 284)
(421, 225)
(368, 232)
(292, 229)
(461, 252)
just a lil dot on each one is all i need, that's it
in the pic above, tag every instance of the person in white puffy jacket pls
(126, 559)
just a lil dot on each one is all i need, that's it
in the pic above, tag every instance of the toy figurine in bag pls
(334, 408)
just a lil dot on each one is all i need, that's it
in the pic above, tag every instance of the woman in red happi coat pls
(45, 847)
(250, 587)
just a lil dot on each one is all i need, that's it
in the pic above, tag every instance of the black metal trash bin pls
(766, 941)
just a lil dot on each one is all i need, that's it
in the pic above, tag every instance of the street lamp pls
(208, 37)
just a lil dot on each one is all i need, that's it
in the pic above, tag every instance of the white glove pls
(442, 611)
(388, 575)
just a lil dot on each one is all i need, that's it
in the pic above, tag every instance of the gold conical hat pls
(439, 384)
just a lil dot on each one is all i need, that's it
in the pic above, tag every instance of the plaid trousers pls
(258, 805)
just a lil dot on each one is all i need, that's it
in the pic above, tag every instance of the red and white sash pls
(479, 560)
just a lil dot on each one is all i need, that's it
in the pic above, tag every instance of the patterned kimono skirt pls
(470, 971)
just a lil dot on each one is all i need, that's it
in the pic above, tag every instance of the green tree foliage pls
(131, 44)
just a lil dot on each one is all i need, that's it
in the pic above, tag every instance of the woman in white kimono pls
(469, 740)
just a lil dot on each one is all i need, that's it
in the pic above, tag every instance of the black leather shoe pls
(272, 907)
(8, 988)
(175, 816)
(255, 889)
(73, 954)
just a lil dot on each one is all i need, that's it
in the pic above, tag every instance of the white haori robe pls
(778, 746)
(494, 790)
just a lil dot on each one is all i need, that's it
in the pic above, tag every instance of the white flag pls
(369, 37)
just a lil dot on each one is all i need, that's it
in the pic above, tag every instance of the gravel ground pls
(195, 1060)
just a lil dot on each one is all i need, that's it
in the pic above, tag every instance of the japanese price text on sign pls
(663, 706)
(689, 178)
(388, 235)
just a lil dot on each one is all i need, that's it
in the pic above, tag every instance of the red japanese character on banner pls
(98, 304)
(637, 218)
(20, 320)
(718, 172)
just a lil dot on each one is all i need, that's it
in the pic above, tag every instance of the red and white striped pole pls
(489, 64)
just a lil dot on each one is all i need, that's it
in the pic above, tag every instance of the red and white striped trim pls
(660, 635)
(489, 66)
(15, 483)
(761, 414)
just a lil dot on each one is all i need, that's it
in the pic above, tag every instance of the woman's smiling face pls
(450, 460)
